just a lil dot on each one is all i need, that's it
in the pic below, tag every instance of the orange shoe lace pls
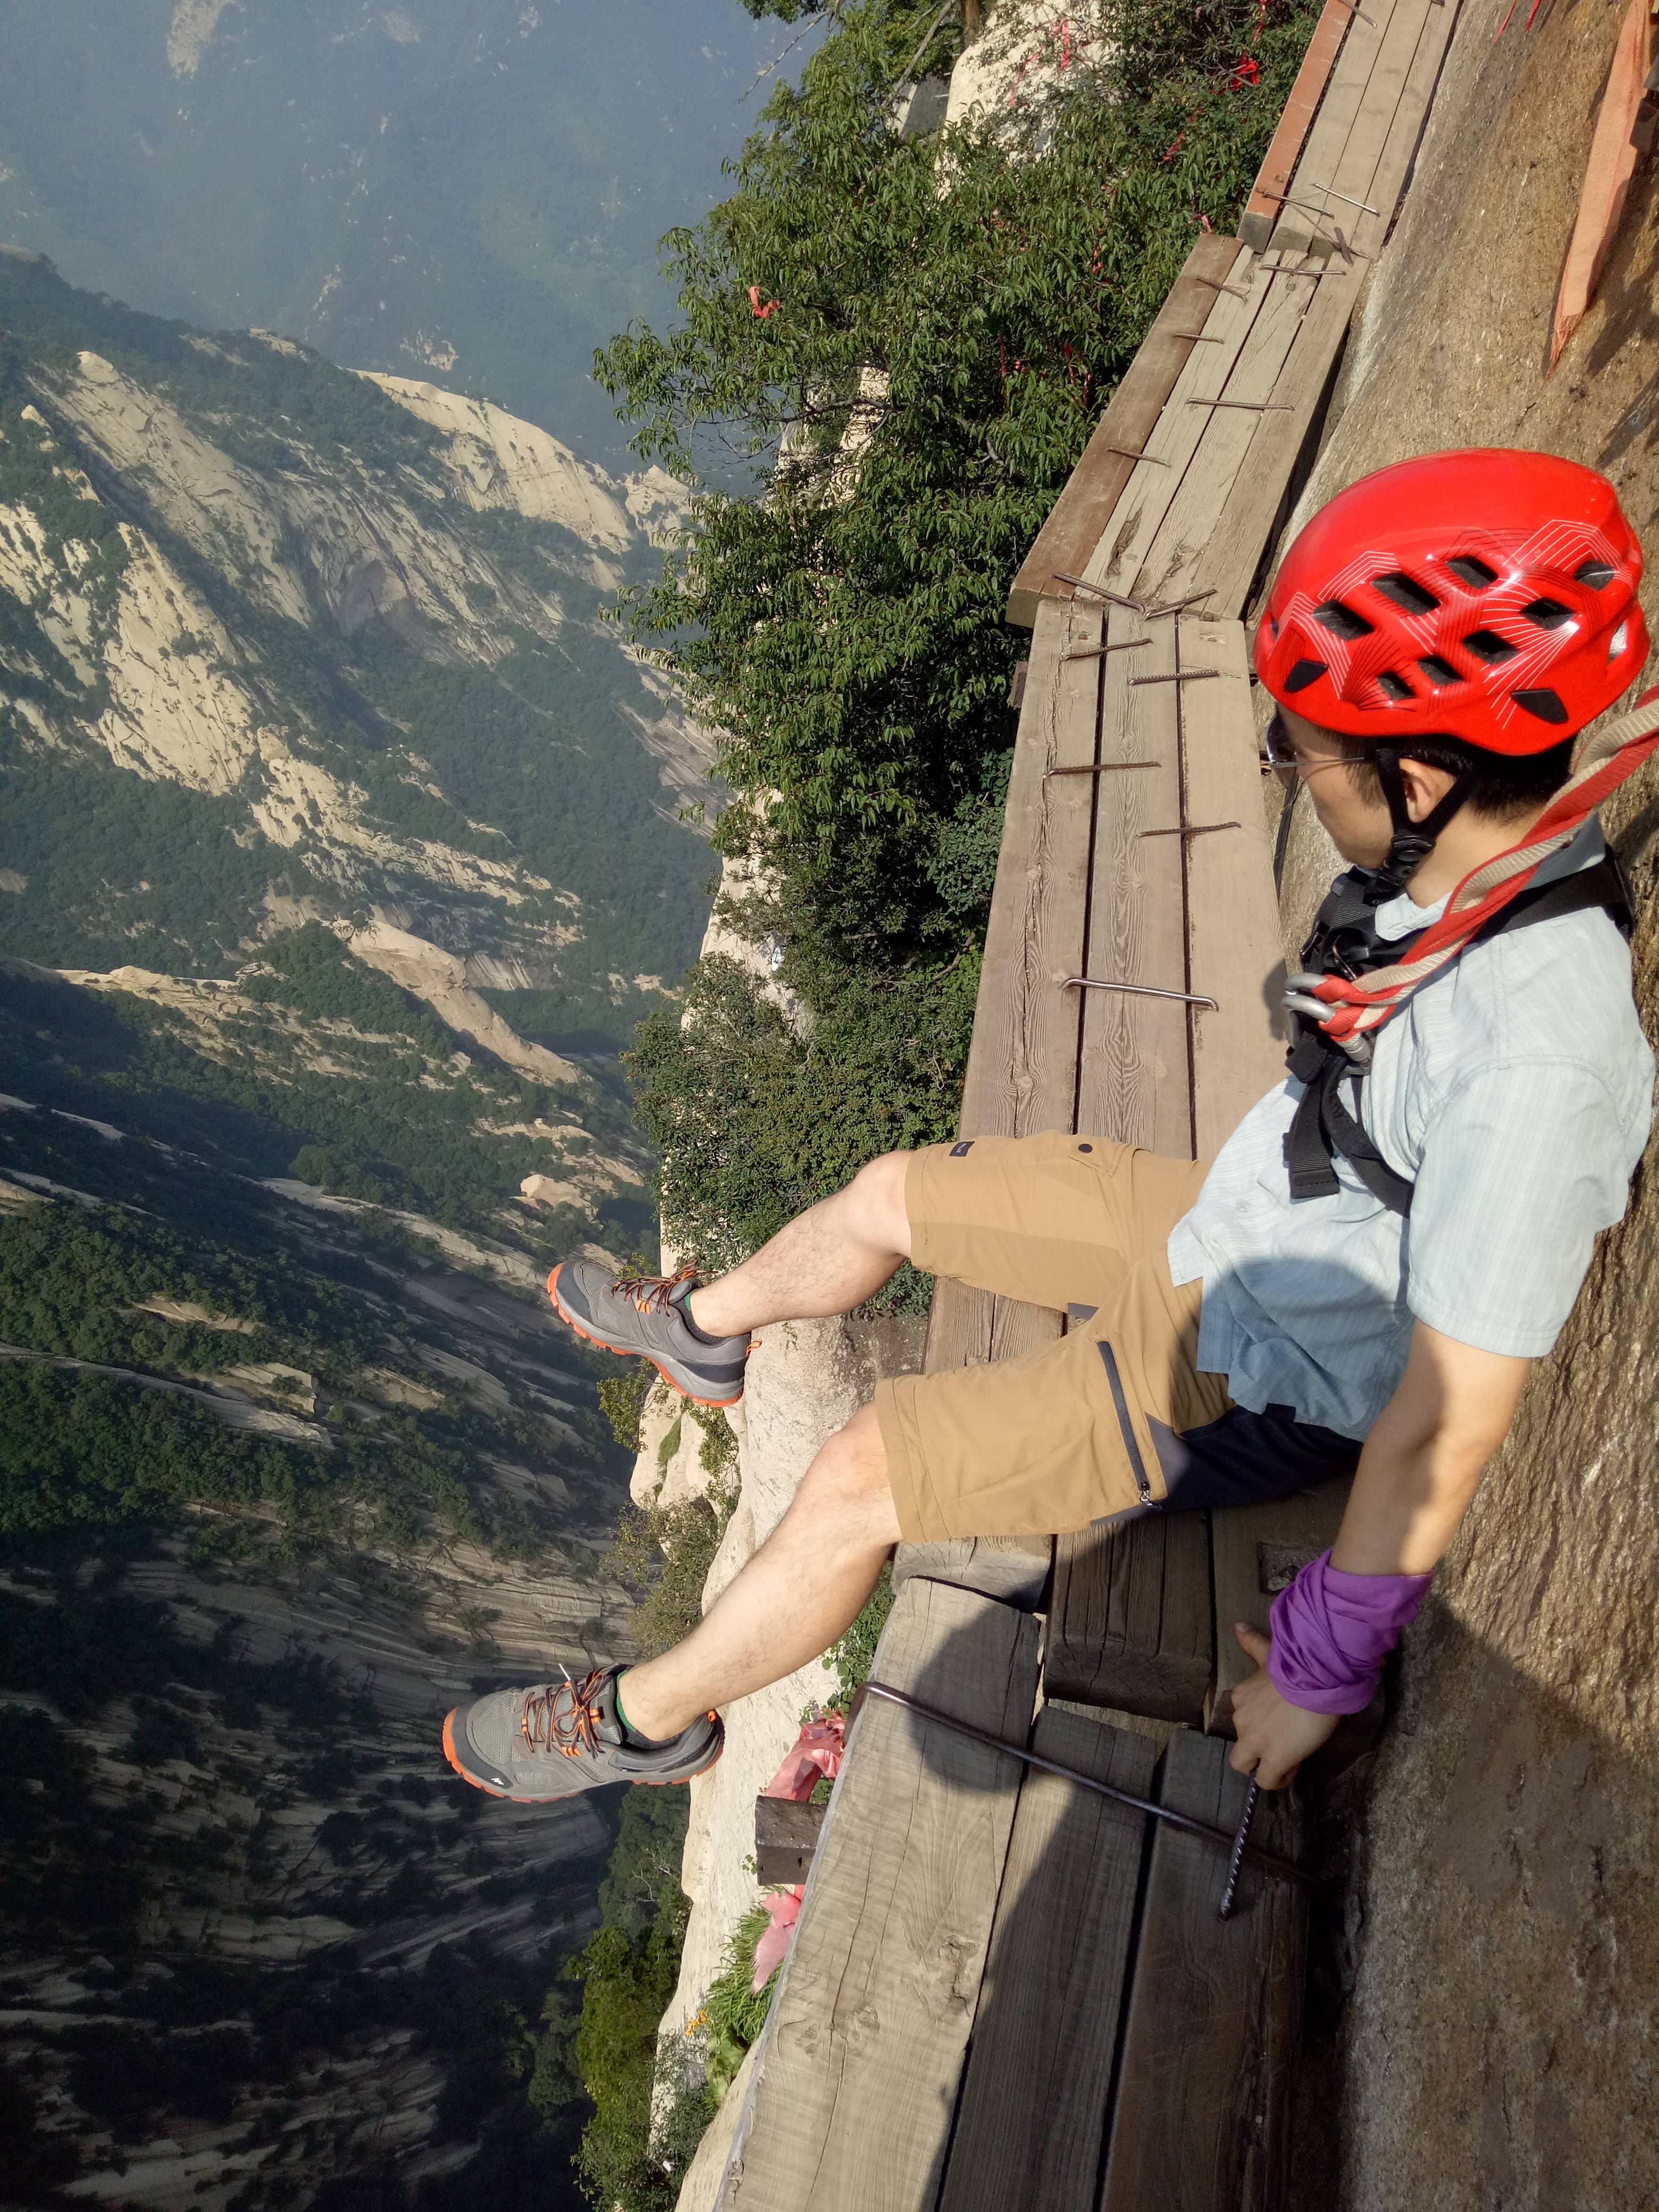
(545, 1730)
(651, 1293)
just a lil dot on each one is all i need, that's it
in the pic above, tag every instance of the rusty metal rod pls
(1094, 652)
(1138, 991)
(1181, 676)
(1232, 1844)
(1101, 768)
(1204, 830)
(1241, 1845)
(1099, 591)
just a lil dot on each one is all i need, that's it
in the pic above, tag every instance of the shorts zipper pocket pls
(1130, 1445)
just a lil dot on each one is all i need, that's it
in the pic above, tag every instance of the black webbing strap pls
(1324, 1128)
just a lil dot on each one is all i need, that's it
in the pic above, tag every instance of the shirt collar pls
(1399, 917)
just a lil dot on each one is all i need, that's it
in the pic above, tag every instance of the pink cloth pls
(784, 1906)
(1332, 1631)
(818, 1750)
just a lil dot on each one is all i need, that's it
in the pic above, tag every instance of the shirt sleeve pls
(1522, 1165)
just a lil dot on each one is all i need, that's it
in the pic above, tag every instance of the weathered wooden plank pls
(1345, 95)
(1039, 2071)
(1169, 571)
(1350, 170)
(1232, 921)
(852, 2093)
(1256, 1552)
(1013, 1569)
(1202, 2115)
(1131, 1625)
(1133, 1072)
(1151, 486)
(786, 1836)
(1078, 516)
(1227, 565)
(1279, 164)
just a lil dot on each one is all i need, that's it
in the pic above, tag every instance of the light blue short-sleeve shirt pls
(1516, 1089)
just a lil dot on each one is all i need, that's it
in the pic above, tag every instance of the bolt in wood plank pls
(1040, 2066)
(1202, 2116)
(1169, 569)
(1078, 516)
(1344, 95)
(859, 2066)
(1257, 1549)
(1131, 1625)
(1135, 521)
(1228, 562)
(1279, 163)
(1131, 1077)
(1238, 1053)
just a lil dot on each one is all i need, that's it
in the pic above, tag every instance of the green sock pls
(628, 1727)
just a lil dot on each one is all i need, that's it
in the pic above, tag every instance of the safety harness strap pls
(1323, 1127)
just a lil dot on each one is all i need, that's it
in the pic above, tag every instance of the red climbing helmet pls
(1489, 596)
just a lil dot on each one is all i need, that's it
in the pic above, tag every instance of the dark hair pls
(1505, 783)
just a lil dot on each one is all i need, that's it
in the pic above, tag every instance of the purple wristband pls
(1332, 1631)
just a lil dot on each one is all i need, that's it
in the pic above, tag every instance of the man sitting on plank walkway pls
(1378, 1251)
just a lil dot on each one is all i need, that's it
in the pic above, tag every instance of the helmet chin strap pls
(1412, 841)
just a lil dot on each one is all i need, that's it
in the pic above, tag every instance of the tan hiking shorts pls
(1059, 1439)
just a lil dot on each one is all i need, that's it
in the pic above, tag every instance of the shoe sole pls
(624, 1351)
(640, 1781)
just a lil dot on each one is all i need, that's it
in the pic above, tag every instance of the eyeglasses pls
(1282, 759)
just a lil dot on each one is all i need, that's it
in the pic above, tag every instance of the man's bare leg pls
(827, 1261)
(802, 1589)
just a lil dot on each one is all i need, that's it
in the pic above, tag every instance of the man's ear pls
(1425, 787)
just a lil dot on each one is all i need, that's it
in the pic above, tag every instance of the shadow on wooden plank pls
(1201, 2120)
(1013, 1569)
(853, 2091)
(1131, 1625)
(1034, 2104)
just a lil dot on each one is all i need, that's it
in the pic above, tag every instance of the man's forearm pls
(1423, 1459)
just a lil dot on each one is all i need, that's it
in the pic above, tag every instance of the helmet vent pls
(1305, 673)
(1439, 671)
(1394, 687)
(1410, 597)
(1546, 705)
(1476, 574)
(1486, 645)
(1548, 614)
(1342, 621)
(1595, 573)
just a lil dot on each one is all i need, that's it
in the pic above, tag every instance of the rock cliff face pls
(1493, 2025)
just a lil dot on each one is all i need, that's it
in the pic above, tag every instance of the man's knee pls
(850, 1476)
(876, 1195)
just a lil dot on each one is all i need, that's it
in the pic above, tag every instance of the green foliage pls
(623, 1401)
(311, 971)
(643, 1882)
(755, 1124)
(851, 1660)
(664, 1553)
(952, 315)
(734, 2011)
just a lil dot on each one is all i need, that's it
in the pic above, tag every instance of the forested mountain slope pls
(321, 784)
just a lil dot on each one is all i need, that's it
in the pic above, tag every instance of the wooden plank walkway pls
(1004, 1990)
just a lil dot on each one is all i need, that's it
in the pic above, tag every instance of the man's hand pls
(1274, 1736)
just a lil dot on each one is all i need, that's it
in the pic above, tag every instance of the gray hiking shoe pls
(645, 1315)
(535, 1745)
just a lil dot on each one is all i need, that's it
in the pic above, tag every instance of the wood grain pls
(785, 1837)
(1224, 438)
(1232, 921)
(856, 2080)
(1131, 1075)
(1013, 1569)
(1250, 1546)
(1126, 536)
(1202, 2117)
(1078, 516)
(1279, 163)
(1045, 2034)
(1345, 95)
(1132, 1623)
